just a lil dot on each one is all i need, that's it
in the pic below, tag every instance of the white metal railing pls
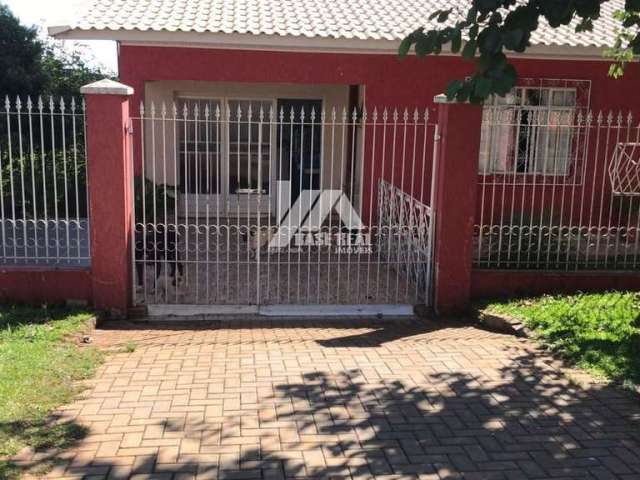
(43, 191)
(406, 225)
(558, 190)
(247, 203)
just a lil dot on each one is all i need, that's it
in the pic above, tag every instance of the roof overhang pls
(249, 41)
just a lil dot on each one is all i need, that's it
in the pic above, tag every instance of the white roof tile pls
(338, 19)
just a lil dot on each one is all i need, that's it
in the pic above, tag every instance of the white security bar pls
(43, 188)
(254, 202)
(559, 190)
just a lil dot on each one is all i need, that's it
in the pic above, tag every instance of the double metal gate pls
(281, 202)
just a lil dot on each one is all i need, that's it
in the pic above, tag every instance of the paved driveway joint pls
(331, 399)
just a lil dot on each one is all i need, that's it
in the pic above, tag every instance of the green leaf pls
(456, 41)
(485, 62)
(504, 80)
(453, 88)
(495, 19)
(482, 87)
(444, 16)
(469, 49)
(464, 93)
(512, 39)
(490, 40)
(585, 25)
(424, 45)
(493, 27)
(484, 5)
(436, 14)
(616, 70)
(510, 73)
(476, 100)
(619, 15)
(632, 5)
(437, 43)
(472, 14)
(473, 32)
(405, 45)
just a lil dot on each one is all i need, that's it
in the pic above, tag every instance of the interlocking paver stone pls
(341, 399)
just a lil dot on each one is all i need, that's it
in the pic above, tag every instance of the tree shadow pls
(390, 331)
(44, 437)
(618, 358)
(428, 415)
(375, 331)
(527, 422)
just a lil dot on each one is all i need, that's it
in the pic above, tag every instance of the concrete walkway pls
(328, 399)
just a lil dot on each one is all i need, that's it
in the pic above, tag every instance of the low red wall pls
(501, 283)
(36, 285)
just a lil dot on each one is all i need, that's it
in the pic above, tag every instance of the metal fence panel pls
(248, 203)
(559, 190)
(43, 188)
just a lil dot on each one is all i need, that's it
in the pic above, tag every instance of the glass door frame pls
(225, 202)
(258, 204)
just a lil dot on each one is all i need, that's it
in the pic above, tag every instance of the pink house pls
(293, 159)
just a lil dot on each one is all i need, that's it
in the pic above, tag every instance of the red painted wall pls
(455, 207)
(501, 284)
(36, 285)
(389, 81)
(110, 203)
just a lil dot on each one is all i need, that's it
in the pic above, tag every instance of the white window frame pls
(500, 114)
(228, 205)
(233, 203)
(200, 204)
(244, 202)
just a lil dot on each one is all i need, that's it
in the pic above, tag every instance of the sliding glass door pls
(250, 144)
(225, 149)
(229, 147)
(201, 155)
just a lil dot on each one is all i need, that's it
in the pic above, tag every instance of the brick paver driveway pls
(343, 400)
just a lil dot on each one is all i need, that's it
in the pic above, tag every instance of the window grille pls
(529, 132)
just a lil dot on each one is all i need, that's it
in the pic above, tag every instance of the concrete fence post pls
(109, 177)
(455, 203)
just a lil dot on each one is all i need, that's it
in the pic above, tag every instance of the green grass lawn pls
(40, 364)
(596, 332)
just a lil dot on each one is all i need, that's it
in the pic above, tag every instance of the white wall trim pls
(106, 86)
(290, 43)
(176, 312)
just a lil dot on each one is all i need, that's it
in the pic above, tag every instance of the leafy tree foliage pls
(32, 66)
(65, 70)
(484, 31)
(20, 56)
(627, 43)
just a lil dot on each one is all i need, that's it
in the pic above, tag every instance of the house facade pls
(246, 116)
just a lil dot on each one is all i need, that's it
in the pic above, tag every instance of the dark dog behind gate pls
(155, 247)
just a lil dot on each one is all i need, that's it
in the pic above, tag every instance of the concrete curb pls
(503, 323)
